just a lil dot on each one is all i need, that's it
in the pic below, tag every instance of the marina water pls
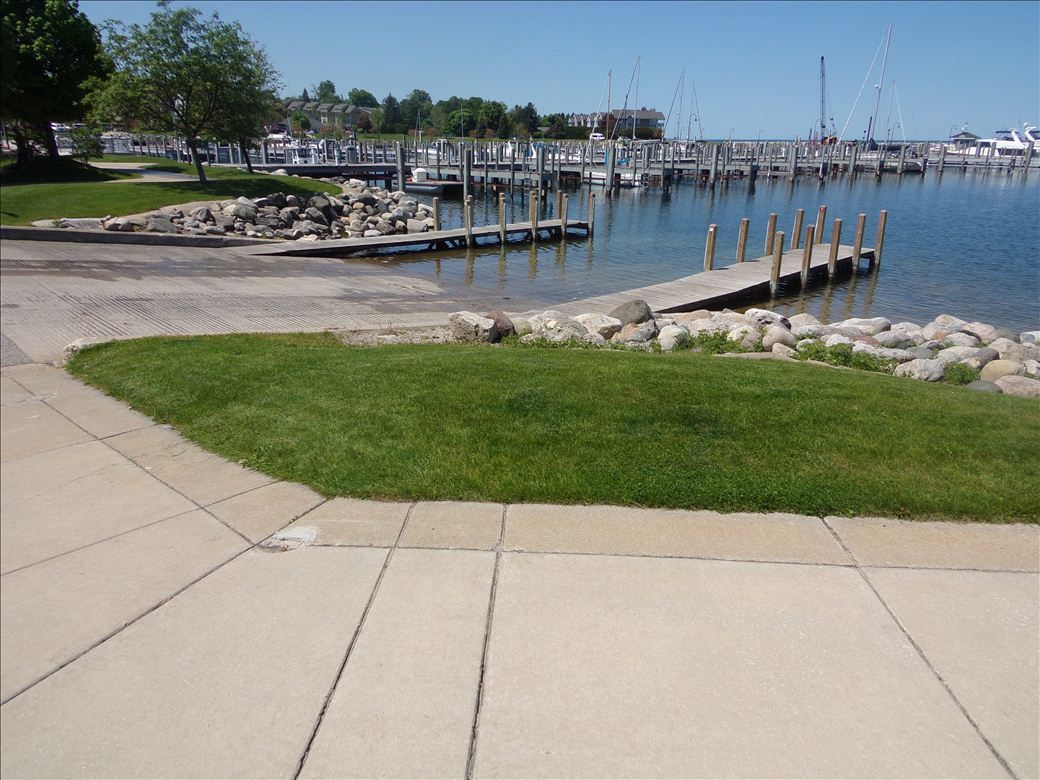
(966, 244)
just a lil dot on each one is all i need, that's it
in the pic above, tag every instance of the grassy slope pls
(74, 192)
(584, 426)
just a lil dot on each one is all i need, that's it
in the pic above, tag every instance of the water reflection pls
(968, 246)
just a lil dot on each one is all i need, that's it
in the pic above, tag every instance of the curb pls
(13, 233)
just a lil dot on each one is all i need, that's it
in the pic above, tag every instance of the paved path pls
(168, 613)
(146, 174)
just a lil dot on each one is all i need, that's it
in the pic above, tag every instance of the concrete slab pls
(11, 392)
(615, 530)
(55, 610)
(350, 521)
(453, 525)
(979, 630)
(32, 427)
(96, 412)
(201, 476)
(225, 680)
(404, 706)
(44, 380)
(637, 667)
(63, 499)
(876, 541)
(259, 513)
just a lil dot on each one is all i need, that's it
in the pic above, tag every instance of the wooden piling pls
(563, 220)
(778, 257)
(709, 248)
(770, 234)
(467, 219)
(502, 218)
(592, 213)
(882, 219)
(857, 245)
(832, 260)
(821, 221)
(799, 217)
(742, 239)
(399, 157)
(436, 213)
(536, 204)
(807, 253)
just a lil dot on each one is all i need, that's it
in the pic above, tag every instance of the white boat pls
(1005, 143)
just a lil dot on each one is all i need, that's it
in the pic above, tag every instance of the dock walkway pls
(740, 282)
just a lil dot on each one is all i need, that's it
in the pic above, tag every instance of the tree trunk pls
(23, 155)
(193, 147)
(47, 133)
(245, 154)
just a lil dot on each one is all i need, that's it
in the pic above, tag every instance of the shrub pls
(960, 374)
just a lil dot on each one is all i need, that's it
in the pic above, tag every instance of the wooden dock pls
(746, 282)
(430, 241)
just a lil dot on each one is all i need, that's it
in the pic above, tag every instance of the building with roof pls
(642, 119)
(340, 115)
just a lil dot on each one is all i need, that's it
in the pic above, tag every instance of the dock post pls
(799, 217)
(716, 151)
(466, 164)
(1028, 158)
(942, 158)
(821, 221)
(502, 218)
(742, 239)
(770, 234)
(709, 247)
(536, 204)
(563, 220)
(467, 218)
(807, 253)
(592, 213)
(832, 261)
(399, 157)
(512, 165)
(853, 154)
(559, 202)
(857, 245)
(902, 157)
(778, 257)
(882, 219)
(436, 213)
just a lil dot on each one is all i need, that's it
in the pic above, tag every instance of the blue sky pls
(755, 65)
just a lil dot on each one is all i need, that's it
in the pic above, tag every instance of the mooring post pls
(882, 219)
(821, 221)
(778, 256)
(799, 217)
(807, 253)
(709, 248)
(466, 163)
(902, 157)
(559, 202)
(502, 218)
(467, 216)
(592, 213)
(745, 223)
(399, 157)
(536, 204)
(770, 234)
(436, 213)
(563, 220)
(857, 244)
(832, 261)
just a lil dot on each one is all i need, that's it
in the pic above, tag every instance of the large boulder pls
(836, 338)
(469, 326)
(632, 312)
(925, 370)
(777, 334)
(995, 369)
(160, 224)
(983, 332)
(981, 357)
(601, 324)
(503, 324)
(687, 317)
(1029, 337)
(671, 336)
(803, 320)
(567, 330)
(956, 354)
(546, 320)
(960, 339)
(636, 333)
(766, 317)
(1021, 386)
(984, 387)
(1011, 350)
(808, 331)
(897, 339)
(869, 326)
(243, 211)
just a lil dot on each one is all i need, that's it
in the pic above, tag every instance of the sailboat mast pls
(637, 101)
(823, 100)
(881, 82)
(606, 119)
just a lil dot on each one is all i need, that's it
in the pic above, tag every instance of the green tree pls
(86, 142)
(417, 106)
(557, 124)
(178, 74)
(392, 121)
(326, 93)
(362, 97)
(250, 102)
(299, 123)
(48, 50)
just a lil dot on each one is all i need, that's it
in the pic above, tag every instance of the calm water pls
(965, 244)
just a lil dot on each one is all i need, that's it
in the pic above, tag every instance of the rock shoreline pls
(976, 354)
(360, 211)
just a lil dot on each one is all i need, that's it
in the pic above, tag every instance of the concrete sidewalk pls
(168, 613)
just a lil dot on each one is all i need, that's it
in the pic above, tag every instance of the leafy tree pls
(392, 122)
(418, 105)
(48, 50)
(299, 123)
(305, 97)
(181, 74)
(505, 126)
(460, 121)
(86, 142)
(326, 93)
(251, 100)
(557, 124)
(363, 98)
(364, 124)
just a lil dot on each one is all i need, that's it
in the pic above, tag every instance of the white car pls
(597, 137)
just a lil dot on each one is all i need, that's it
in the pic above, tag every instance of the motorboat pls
(1005, 143)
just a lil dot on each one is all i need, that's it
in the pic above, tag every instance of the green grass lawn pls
(516, 424)
(24, 200)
